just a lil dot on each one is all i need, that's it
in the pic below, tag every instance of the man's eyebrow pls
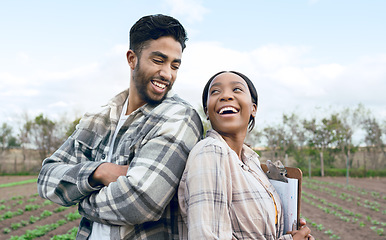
(164, 56)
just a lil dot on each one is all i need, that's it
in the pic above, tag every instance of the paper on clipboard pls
(288, 193)
(290, 196)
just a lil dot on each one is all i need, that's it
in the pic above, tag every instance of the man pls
(123, 164)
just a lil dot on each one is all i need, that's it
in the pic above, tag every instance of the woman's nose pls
(226, 96)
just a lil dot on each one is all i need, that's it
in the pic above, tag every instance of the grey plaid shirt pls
(154, 141)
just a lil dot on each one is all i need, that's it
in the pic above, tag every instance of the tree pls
(296, 137)
(253, 137)
(24, 133)
(349, 122)
(5, 136)
(284, 139)
(276, 140)
(373, 139)
(321, 135)
(71, 127)
(42, 133)
(295, 129)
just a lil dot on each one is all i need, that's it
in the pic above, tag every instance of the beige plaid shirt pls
(221, 197)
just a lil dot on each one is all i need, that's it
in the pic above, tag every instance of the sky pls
(308, 57)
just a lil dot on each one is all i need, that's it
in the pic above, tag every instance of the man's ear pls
(131, 59)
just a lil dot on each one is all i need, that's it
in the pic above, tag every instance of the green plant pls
(335, 237)
(60, 209)
(328, 232)
(15, 226)
(320, 227)
(31, 207)
(70, 235)
(33, 219)
(45, 214)
(380, 231)
(31, 200)
(73, 216)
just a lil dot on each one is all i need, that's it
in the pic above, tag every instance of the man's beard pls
(141, 84)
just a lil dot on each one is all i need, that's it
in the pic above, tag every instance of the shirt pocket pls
(125, 152)
(87, 145)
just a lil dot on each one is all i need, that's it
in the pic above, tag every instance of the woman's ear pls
(131, 59)
(254, 110)
(206, 113)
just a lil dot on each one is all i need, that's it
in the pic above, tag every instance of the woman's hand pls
(303, 233)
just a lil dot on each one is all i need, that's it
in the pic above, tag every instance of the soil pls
(345, 230)
(12, 196)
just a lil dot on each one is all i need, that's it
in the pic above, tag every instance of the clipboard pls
(297, 174)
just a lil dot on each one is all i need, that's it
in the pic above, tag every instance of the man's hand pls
(107, 173)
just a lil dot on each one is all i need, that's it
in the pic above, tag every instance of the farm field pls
(332, 210)
(25, 215)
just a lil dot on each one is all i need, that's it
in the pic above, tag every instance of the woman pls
(223, 193)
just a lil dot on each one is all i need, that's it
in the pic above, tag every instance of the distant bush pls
(341, 172)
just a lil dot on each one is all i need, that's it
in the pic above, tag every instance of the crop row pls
(362, 191)
(17, 200)
(32, 219)
(320, 227)
(12, 184)
(347, 216)
(27, 208)
(373, 205)
(43, 230)
(71, 234)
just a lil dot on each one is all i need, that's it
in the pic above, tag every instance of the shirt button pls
(103, 156)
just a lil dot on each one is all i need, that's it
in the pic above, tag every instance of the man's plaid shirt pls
(154, 141)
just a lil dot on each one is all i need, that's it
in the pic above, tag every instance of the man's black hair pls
(153, 27)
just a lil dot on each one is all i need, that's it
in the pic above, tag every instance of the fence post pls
(347, 169)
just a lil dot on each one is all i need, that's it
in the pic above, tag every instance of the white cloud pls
(46, 75)
(191, 10)
(286, 77)
(23, 92)
(273, 56)
(23, 57)
(8, 78)
(60, 104)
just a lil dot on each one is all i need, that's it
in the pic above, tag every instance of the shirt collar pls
(118, 101)
(247, 154)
